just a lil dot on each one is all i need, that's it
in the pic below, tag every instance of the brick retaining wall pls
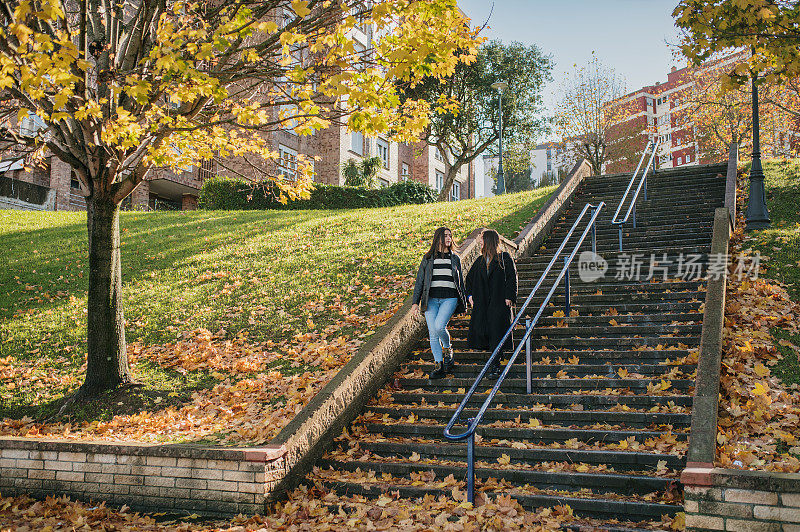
(152, 477)
(752, 501)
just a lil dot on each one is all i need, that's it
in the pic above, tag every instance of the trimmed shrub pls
(223, 193)
(220, 193)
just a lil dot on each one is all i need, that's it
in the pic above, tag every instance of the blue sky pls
(628, 35)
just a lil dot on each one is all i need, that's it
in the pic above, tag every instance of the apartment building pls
(550, 160)
(660, 111)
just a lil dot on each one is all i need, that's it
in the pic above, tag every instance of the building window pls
(404, 171)
(680, 160)
(206, 169)
(357, 142)
(439, 181)
(438, 155)
(30, 125)
(287, 162)
(287, 114)
(455, 192)
(383, 152)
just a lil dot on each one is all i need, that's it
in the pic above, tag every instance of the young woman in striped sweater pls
(439, 293)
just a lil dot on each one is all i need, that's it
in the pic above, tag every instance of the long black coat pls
(491, 317)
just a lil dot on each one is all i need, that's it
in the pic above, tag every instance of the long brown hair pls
(491, 247)
(438, 238)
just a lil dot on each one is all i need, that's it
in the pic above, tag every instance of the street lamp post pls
(500, 86)
(757, 213)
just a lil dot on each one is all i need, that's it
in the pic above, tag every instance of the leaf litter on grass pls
(239, 307)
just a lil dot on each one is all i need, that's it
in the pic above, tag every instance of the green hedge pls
(232, 194)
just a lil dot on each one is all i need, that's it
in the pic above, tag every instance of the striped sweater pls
(442, 283)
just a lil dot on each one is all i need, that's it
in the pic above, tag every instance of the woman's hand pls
(471, 304)
(509, 302)
(415, 309)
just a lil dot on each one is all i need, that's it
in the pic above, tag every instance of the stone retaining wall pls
(152, 477)
(753, 501)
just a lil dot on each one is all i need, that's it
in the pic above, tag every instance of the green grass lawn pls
(257, 279)
(780, 245)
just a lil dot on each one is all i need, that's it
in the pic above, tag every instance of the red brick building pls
(660, 111)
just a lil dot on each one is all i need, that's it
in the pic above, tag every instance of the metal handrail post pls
(471, 467)
(645, 186)
(528, 357)
(630, 183)
(594, 234)
(652, 148)
(566, 288)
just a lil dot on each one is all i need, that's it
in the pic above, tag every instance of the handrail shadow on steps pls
(472, 423)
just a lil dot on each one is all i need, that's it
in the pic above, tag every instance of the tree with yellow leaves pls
(769, 28)
(124, 87)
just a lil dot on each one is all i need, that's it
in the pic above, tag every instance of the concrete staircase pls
(605, 429)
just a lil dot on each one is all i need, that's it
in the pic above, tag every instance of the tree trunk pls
(107, 362)
(449, 179)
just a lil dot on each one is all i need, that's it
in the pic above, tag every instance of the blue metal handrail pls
(472, 423)
(651, 145)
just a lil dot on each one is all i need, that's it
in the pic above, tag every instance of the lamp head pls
(500, 85)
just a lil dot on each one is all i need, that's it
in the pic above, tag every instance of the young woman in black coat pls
(439, 293)
(491, 290)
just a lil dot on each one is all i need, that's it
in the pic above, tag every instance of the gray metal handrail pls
(651, 145)
(472, 423)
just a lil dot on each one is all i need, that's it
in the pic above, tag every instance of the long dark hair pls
(491, 247)
(438, 238)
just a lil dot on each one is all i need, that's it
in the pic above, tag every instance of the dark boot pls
(438, 372)
(449, 360)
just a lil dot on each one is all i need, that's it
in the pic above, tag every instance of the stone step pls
(604, 245)
(545, 386)
(467, 370)
(585, 507)
(589, 402)
(536, 436)
(567, 481)
(607, 331)
(610, 357)
(637, 319)
(565, 418)
(621, 460)
(538, 262)
(644, 307)
(642, 229)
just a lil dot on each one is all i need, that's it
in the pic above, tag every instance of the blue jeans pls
(437, 315)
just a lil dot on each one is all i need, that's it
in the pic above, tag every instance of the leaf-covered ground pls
(235, 319)
(759, 423)
(310, 509)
